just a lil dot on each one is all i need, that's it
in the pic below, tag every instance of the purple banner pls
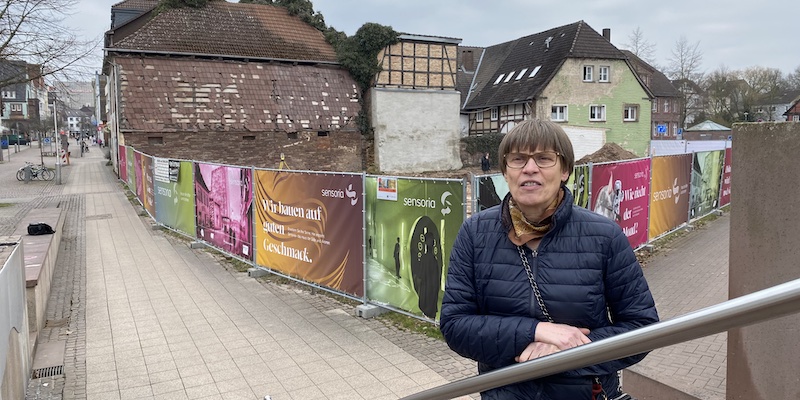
(224, 202)
(725, 195)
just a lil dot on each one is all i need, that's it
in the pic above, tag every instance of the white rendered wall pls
(416, 130)
(585, 140)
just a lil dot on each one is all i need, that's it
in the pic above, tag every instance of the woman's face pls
(532, 187)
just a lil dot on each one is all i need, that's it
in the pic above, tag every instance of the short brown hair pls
(533, 134)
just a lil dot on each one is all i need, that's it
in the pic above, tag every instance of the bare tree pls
(684, 65)
(31, 31)
(718, 87)
(640, 46)
(685, 61)
(793, 79)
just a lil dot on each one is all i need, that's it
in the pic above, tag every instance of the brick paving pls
(145, 316)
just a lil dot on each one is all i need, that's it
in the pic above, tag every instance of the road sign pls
(661, 129)
(46, 140)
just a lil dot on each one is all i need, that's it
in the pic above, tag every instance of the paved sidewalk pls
(145, 316)
(691, 273)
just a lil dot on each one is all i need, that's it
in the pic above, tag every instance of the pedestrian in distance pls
(486, 163)
(536, 275)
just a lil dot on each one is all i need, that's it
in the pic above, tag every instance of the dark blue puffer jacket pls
(586, 272)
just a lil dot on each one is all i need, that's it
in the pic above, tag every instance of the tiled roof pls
(660, 85)
(231, 29)
(546, 50)
(468, 59)
(142, 5)
(171, 94)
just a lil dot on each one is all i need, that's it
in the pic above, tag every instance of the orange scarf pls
(523, 230)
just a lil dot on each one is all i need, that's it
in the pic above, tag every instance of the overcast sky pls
(734, 33)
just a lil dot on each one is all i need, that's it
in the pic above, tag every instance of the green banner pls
(411, 226)
(175, 197)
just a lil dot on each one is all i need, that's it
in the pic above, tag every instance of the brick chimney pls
(607, 34)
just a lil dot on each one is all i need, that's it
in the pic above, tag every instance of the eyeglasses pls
(543, 159)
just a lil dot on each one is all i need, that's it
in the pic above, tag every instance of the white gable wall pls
(416, 130)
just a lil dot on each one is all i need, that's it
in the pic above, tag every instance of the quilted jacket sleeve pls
(630, 303)
(489, 339)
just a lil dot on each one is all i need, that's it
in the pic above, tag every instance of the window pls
(494, 114)
(479, 116)
(795, 118)
(16, 107)
(9, 95)
(558, 113)
(602, 73)
(655, 105)
(597, 113)
(631, 113)
(508, 78)
(521, 73)
(666, 105)
(674, 130)
(587, 73)
(499, 78)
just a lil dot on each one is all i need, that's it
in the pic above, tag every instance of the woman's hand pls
(536, 350)
(562, 336)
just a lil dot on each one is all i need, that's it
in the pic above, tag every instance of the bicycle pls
(37, 172)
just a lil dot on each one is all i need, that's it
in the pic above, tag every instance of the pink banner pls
(621, 192)
(123, 163)
(725, 191)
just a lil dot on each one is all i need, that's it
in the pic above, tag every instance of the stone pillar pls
(764, 359)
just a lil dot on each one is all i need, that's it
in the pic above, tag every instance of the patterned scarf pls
(523, 230)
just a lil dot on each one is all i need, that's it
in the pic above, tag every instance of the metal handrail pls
(774, 302)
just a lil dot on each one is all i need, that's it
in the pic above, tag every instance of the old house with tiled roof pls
(231, 83)
(666, 107)
(570, 74)
(792, 113)
(127, 10)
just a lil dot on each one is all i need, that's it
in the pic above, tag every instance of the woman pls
(536, 275)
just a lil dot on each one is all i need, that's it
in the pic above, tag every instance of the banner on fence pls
(492, 189)
(309, 226)
(725, 195)
(706, 175)
(409, 240)
(123, 163)
(131, 160)
(669, 188)
(175, 202)
(138, 172)
(149, 188)
(620, 191)
(223, 201)
(579, 184)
